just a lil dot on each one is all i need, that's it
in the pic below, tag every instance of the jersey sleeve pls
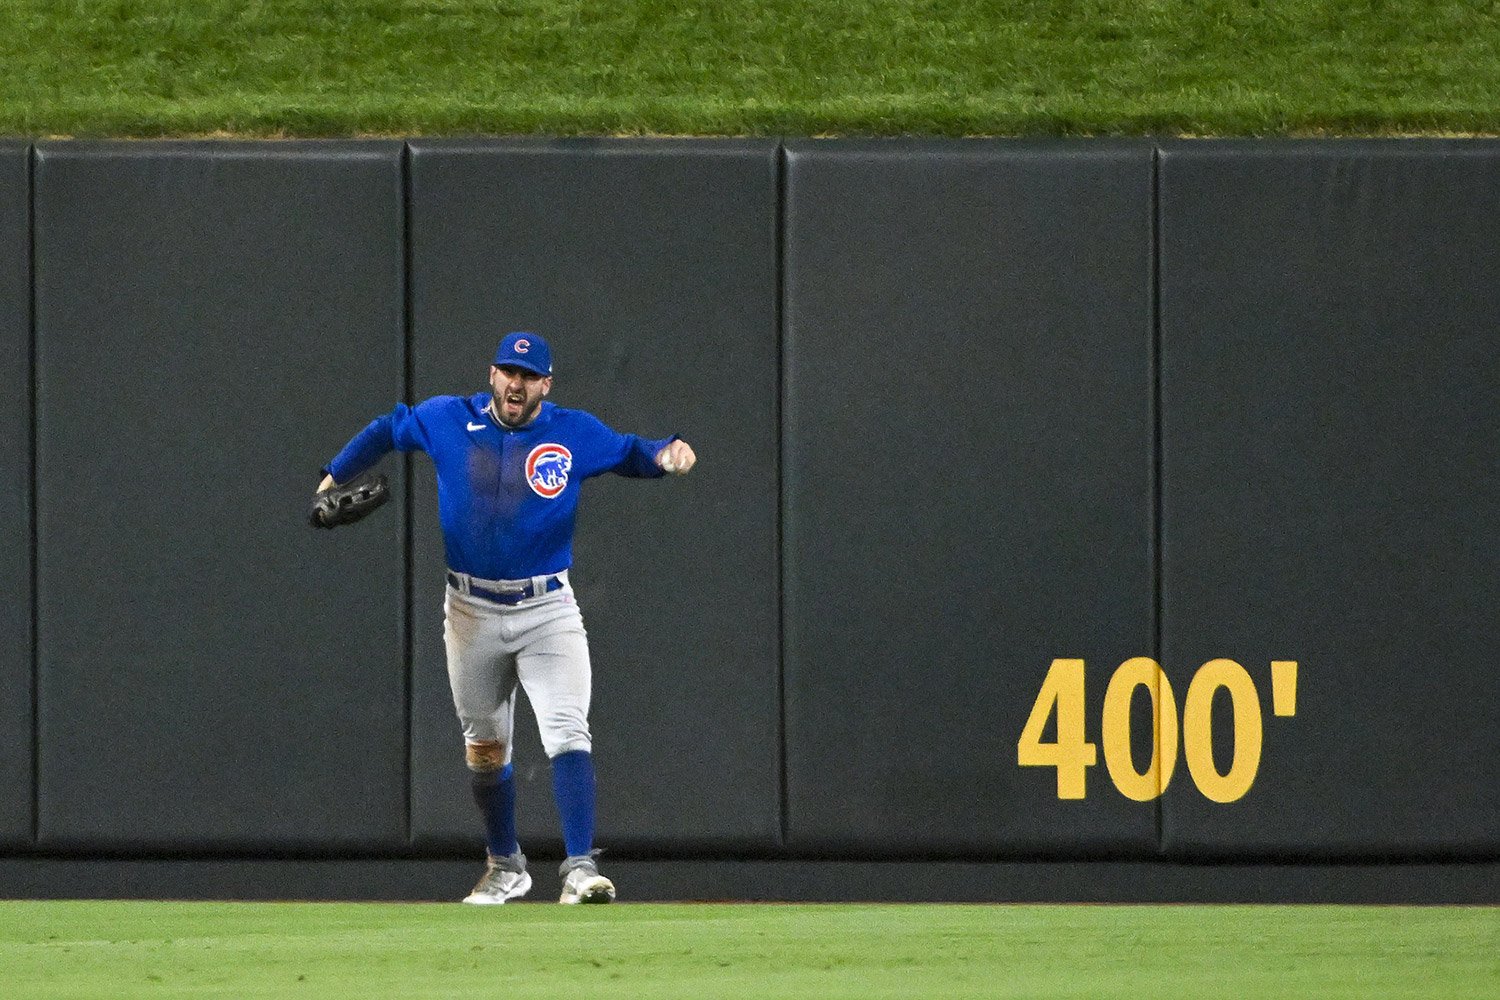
(624, 454)
(403, 429)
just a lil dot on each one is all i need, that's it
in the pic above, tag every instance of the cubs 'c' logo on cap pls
(547, 469)
(522, 346)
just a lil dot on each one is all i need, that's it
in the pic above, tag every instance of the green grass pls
(340, 67)
(374, 951)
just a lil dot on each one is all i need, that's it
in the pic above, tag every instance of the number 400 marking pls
(1072, 754)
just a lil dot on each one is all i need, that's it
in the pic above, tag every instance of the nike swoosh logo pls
(475, 427)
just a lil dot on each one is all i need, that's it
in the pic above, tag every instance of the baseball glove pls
(348, 503)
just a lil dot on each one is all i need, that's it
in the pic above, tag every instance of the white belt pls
(530, 586)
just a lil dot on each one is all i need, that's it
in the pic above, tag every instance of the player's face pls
(518, 393)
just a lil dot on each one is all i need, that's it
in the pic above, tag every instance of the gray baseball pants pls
(542, 644)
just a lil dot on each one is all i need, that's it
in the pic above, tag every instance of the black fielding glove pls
(351, 502)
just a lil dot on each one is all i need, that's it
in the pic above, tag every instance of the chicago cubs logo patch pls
(547, 469)
(522, 346)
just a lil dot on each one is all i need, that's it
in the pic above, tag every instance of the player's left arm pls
(632, 455)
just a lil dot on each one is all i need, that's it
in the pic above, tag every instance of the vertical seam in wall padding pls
(31, 514)
(1155, 430)
(408, 655)
(780, 424)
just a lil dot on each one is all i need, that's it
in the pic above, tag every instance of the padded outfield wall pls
(1069, 503)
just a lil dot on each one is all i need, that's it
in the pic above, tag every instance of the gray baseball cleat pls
(582, 882)
(503, 878)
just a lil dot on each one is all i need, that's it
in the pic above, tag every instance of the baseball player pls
(509, 470)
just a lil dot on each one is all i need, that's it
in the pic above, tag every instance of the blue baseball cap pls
(525, 350)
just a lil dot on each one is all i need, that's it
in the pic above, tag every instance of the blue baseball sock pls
(573, 784)
(495, 794)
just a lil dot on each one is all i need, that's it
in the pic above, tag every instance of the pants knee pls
(485, 756)
(564, 729)
(567, 743)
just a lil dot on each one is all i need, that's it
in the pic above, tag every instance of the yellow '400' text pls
(1072, 754)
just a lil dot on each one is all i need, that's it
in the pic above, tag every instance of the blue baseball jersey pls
(507, 497)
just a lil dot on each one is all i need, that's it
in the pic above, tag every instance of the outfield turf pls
(763, 67)
(408, 951)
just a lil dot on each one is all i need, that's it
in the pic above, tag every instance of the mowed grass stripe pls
(337, 67)
(373, 951)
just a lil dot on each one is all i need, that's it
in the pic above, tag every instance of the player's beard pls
(529, 406)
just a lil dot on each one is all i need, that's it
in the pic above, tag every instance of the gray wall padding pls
(923, 381)
(17, 738)
(1331, 368)
(650, 268)
(968, 483)
(210, 319)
